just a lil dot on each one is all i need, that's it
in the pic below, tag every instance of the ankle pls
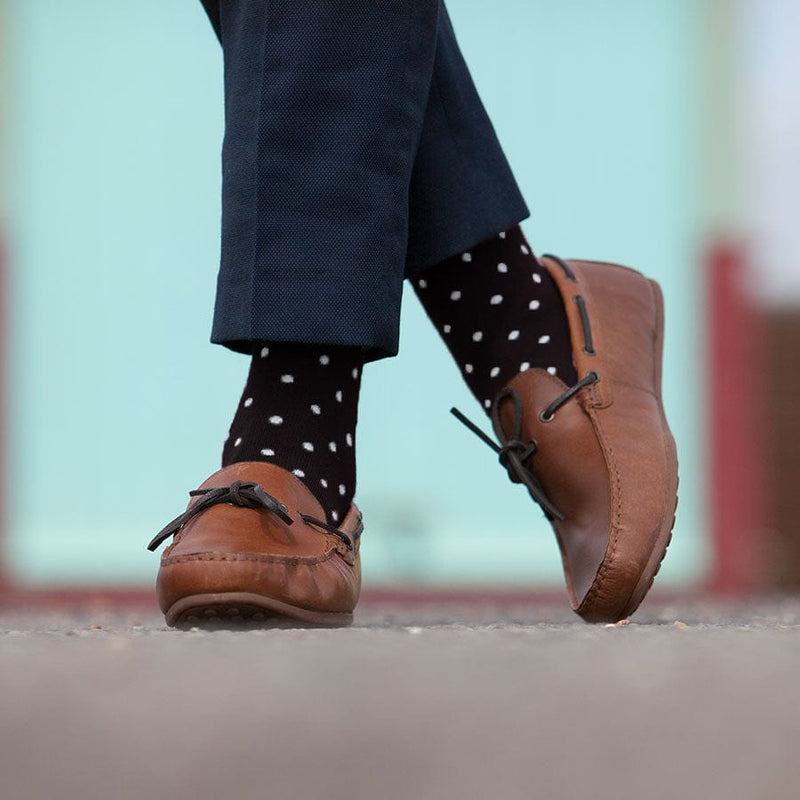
(499, 312)
(299, 411)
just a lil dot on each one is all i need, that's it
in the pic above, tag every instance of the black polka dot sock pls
(299, 411)
(499, 313)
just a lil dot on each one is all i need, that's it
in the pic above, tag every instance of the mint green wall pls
(118, 405)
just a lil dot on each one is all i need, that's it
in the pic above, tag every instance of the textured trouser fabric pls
(356, 152)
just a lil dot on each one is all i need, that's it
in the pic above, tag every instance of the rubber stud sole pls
(236, 610)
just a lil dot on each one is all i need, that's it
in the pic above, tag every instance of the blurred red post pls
(5, 578)
(737, 453)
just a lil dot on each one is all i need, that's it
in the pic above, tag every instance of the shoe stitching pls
(332, 544)
(613, 548)
(609, 558)
(616, 505)
(255, 557)
(597, 396)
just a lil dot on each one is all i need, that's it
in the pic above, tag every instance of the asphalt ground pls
(686, 701)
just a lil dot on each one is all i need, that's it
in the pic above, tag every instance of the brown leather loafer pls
(253, 546)
(598, 456)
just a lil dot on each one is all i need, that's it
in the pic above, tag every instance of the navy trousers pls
(356, 152)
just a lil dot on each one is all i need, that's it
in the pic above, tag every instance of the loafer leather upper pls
(233, 549)
(606, 459)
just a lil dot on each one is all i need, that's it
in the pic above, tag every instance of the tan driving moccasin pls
(598, 456)
(254, 546)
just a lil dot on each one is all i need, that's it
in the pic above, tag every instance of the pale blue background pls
(119, 405)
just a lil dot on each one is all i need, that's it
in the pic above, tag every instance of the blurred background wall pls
(633, 128)
(768, 117)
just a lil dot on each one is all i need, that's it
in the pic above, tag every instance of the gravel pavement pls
(688, 701)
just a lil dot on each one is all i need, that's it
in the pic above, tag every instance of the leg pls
(566, 359)
(395, 133)
(462, 188)
(325, 112)
(324, 108)
(472, 269)
(461, 191)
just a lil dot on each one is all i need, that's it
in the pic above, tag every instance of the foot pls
(598, 455)
(254, 546)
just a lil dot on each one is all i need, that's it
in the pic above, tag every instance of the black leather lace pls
(570, 275)
(549, 412)
(245, 495)
(318, 523)
(513, 453)
(580, 302)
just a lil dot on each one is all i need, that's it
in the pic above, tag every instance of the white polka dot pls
(501, 267)
(494, 372)
(537, 278)
(349, 439)
(264, 352)
(308, 446)
(324, 360)
(315, 409)
(525, 365)
(544, 339)
(551, 370)
(332, 447)
(446, 329)
(342, 490)
(422, 283)
(287, 378)
(496, 299)
(468, 368)
(334, 516)
(355, 373)
(533, 305)
(477, 336)
(487, 403)
(237, 442)
(248, 402)
(323, 483)
(276, 420)
(502, 235)
(299, 473)
(467, 257)
(267, 452)
(456, 295)
(524, 249)
(339, 396)
(513, 336)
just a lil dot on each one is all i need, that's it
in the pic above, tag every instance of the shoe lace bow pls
(245, 495)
